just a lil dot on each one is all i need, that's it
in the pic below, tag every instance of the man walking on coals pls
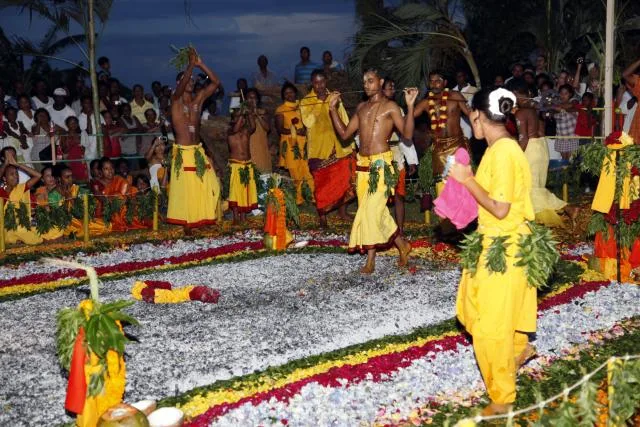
(195, 190)
(373, 227)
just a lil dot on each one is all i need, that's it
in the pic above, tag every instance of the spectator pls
(541, 65)
(632, 76)
(60, 111)
(155, 157)
(139, 105)
(152, 127)
(329, 64)
(26, 117)
(516, 76)
(627, 103)
(19, 90)
(72, 149)
(587, 119)
(467, 90)
(88, 128)
(156, 90)
(498, 81)
(105, 69)
(129, 144)
(305, 67)
(42, 133)
(16, 136)
(259, 141)
(114, 92)
(122, 170)
(264, 77)
(566, 115)
(111, 137)
(6, 98)
(41, 99)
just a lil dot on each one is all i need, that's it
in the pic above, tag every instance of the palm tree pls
(61, 13)
(410, 40)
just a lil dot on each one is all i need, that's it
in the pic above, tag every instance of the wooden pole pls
(608, 67)
(2, 232)
(565, 192)
(155, 210)
(85, 219)
(427, 217)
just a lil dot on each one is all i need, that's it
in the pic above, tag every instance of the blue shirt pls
(303, 72)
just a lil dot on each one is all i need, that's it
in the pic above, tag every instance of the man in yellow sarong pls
(498, 309)
(192, 202)
(243, 194)
(293, 141)
(331, 162)
(373, 227)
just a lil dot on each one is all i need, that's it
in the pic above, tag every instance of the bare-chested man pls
(243, 195)
(373, 227)
(534, 144)
(443, 106)
(194, 186)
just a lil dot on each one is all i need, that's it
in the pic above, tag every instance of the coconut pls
(146, 406)
(166, 417)
(123, 415)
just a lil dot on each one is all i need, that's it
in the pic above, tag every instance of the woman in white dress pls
(26, 117)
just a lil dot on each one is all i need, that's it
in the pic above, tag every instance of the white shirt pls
(468, 91)
(59, 117)
(26, 121)
(629, 113)
(89, 142)
(39, 104)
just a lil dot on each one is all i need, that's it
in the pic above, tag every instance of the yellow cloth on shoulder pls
(496, 307)
(193, 201)
(242, 197)
(373, 227)
(545, 203)
(321, 136)
(605, 193)
(293, 148)
(21, 234)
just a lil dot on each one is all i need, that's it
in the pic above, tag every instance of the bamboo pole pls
(85, 219)
(565, 192)
(155, 211)
(427, 217)
(608, 67)
(2, 233)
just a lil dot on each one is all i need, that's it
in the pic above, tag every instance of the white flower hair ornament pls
(495, 99)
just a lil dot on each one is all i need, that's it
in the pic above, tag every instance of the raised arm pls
(211, 88)
(461, 100)
(410, 95)
(33, 174)
(344, 131)
(420, 108)
(628, 73)
(182, 85)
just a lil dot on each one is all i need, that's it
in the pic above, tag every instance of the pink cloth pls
(455, 202)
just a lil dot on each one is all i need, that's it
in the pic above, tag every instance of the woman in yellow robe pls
(43, 200)
(13, 194)
(293, 141)
(498, 309)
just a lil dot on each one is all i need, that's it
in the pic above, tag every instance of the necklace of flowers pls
(438, 115)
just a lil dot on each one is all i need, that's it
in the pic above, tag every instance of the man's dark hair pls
(94, 162)
(254, 90)
(3, 152)
(10, 108)
(137, 85)
(288, 85)
(374, 71)
(102, 60)
(517, 64)
(156, 82)
(588, 95)
(305, 48)
(437, 72)
(318, 72)
(388, 81)
(568, 88)
(84, 98)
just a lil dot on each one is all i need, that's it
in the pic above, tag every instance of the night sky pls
(228, 34)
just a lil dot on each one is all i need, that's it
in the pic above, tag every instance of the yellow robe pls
(259, 148)
(496, 308)
(321, 136)
(193, 201)
(21, 234)
(96, 225)
(295, 160)
(373, 227)
(243, 198)
(545, 203)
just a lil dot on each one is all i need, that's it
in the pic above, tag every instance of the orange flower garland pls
(277, 237)
(438, 110)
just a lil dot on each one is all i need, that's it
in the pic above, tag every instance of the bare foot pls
(404, 249)
(496, 409)
(346, 216)
(323, 221)
(527, 354)
(368, 268)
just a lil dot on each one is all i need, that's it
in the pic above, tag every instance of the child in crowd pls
(111, 136)
(122, 170)
(587, 119)
(155, 158)
(243, 195)
(72, 149)
(566, 115)
(17, 136)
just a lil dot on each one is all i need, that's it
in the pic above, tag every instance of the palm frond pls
(418, 11)
(64, 43)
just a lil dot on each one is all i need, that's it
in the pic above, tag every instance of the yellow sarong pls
(242, 198)
(497, 308)
(545, 203)
(373, 227)
(293, 149)
(96, 225)
(193, 201)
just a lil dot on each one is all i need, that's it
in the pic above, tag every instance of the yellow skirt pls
(193, 200)
(545, 203)
(495, 305)
(373, 227)
(298, 167)
(242, 198)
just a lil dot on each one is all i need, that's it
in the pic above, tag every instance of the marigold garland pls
(159, 292)
(438, 110)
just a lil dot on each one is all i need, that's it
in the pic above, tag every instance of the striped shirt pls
(303, 72)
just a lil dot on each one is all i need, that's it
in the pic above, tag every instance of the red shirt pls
(586, 121)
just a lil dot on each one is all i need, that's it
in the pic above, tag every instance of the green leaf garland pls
(497, 254)
(471, 249)
(201, 164)
(538, 254)
(23, 216)
(43, 220)
(177, 161)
